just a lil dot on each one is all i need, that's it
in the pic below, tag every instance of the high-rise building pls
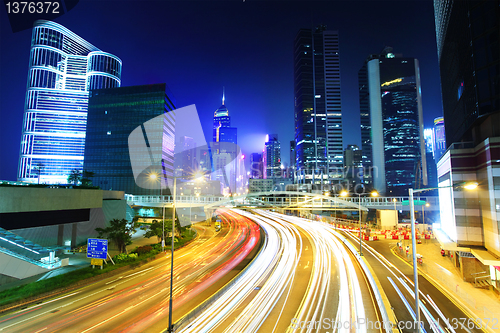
(224, 149)
(112, 115)
(391, 104)
(63, 69)
(469, 62)
(256, 166)
(439, 138)
(222, 130)
(353, 166)
(431, 163)
(187, 159)
(318, 114)
(272, 157)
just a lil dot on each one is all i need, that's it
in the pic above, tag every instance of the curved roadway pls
(137, 301)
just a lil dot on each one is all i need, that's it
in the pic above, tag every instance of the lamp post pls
(468, 186)
(423, 212)
(373, 194)
(170, 328)
(342, 194)
(395, 211)
(153, 176)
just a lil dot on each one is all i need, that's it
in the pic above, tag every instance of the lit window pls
(109, 133)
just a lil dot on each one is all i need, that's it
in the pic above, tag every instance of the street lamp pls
(373, 194)
(198, 177)
(423, 211)
(395, 211)
(468, 186)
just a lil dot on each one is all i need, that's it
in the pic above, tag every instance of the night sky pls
(247, 47)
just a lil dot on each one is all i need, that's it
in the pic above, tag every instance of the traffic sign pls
(96, 262)
(97, 248)
(416, 202)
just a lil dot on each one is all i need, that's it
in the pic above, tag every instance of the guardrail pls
(387, 323)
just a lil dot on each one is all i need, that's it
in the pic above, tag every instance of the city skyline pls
(256, 84)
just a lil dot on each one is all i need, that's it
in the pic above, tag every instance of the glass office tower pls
(63, 68)
(112, 116)
(468, 39)
(222, 130)
(391, 100)
(272, 157)
(318, 116)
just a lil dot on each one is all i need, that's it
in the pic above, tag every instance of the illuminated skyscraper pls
(272, 157)
(392, 122)
(467, 35)
(224, 150)
(256, 167)
(439, 136)
(63, 69)
(318, 115)
(223, 132)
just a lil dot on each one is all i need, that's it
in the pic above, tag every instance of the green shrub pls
(122, 257)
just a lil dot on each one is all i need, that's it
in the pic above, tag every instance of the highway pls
(137, 301)
(303, 280)
(396, 278)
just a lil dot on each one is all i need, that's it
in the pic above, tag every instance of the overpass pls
(282, 199)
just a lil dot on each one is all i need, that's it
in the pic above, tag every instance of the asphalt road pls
(303, 280)
(137, 301)
(401, 274)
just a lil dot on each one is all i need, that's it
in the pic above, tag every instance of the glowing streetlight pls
(471, 186)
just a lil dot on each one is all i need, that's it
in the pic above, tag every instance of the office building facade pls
(353, 166)
(439, 138)
(113, 114)
(272, 157)
(222, 130)
(469, 62)
(256, 166)
(224, 150)
(391, 103)
(63, 69)
(317, 106)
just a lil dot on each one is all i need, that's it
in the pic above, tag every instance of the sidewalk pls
(481, 303)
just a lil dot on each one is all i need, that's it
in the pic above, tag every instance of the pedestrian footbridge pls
(284, 200)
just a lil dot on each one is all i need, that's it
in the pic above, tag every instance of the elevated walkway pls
(283, 199)
(21, 258)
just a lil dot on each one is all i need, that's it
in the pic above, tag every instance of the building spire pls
(223, 97)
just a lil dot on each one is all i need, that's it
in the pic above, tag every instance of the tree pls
(74, 177)
(119, 232)
(156, 229)
(85, 177)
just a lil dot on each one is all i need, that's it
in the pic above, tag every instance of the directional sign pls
(97, 248)
(415, 202)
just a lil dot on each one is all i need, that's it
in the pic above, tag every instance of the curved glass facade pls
(63, 68)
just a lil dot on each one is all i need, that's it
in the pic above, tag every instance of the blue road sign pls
(97, 248)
